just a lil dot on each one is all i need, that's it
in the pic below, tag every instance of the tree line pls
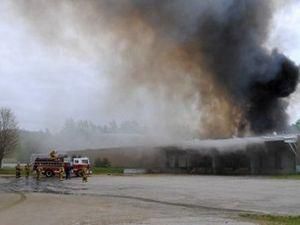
(75, 135)
(21, 144)
(8, 133)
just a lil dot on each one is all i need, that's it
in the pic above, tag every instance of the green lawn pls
(107, 170)
(272, 219)
(7, 171)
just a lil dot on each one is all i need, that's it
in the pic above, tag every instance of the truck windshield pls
(85, 161)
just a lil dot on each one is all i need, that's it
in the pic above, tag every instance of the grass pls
(107, 170)
(273, 219)
(8, 171)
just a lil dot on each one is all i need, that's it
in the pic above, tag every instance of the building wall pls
(134, 157)
(297, 147)
(271, 157)
(280, 158)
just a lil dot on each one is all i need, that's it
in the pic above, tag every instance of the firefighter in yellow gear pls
(39, 170)
(61, 173)
(27, 170)
(85, 174)
(18, 170)
(53, 155)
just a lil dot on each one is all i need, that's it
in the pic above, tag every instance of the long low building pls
(252, 155)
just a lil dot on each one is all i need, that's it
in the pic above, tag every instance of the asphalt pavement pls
(156, 199)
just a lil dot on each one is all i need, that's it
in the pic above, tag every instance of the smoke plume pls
(208, 53)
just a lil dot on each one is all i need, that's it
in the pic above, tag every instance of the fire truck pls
(78, 163)
(51, 166)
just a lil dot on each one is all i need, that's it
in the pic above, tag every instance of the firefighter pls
(68, 171)
(39, 170)
(53, 155)
(85, 175)
(18, 170)
(27, 170)
(61, 173)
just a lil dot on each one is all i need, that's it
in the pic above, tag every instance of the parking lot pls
(145, 199)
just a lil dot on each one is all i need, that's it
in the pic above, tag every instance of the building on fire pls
(253, 155)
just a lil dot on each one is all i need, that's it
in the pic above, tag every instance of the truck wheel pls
(49, 173)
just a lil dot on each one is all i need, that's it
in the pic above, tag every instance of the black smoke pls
(267, 106)
(256, 80)
(226, 39)
(219, 45)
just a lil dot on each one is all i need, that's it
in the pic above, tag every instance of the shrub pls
(102, 162)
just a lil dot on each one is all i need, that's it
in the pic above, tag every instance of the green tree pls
(8, 133)
(296, 125)
(102, 162)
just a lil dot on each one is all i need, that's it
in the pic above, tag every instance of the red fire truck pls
(51, 166)
(78, 163)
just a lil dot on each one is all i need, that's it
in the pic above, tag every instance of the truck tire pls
(49, 173)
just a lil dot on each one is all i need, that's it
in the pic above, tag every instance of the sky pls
(285, 35)
(45, 85)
